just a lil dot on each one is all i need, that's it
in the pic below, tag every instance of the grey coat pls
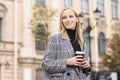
(59, 49)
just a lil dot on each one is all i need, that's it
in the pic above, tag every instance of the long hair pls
(78, 35)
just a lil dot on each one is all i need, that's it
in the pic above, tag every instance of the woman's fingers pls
(85, 64)
(78, 61)
(74, 61)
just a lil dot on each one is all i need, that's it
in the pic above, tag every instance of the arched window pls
(87, 41)
(3, 10)
(101, 43)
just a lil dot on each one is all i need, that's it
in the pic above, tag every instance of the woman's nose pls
(68, 19)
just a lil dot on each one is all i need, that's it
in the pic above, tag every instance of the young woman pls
(60, 62)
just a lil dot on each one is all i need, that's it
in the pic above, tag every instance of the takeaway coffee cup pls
(82, 53)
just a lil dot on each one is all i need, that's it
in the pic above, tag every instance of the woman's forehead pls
(68, 11)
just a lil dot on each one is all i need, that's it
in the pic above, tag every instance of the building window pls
(84, 6)
(101, 43)
(0, 28)
(41, 2)
(67, 3)
(87, 41)
(39, 74)
(3, 11)
(100, 6)
(41, 38)
(114, 7)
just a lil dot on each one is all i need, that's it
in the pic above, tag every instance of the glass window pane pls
(87, 41)
(114, 7)
(67, 3)
(84, 6)
(40, 39)
(101, 43)
(100, 6)
(41, 2)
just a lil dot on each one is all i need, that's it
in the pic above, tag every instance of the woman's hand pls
(78, 61)
(75, 61)
(85, 64)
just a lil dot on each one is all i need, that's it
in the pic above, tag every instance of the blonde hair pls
(78, 35)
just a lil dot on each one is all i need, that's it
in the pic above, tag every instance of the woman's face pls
(69, 19)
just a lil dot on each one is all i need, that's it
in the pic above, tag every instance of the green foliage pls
(115, 43)
(113, 61)
(40, 21)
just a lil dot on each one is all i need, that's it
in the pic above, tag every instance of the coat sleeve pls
(50, 63)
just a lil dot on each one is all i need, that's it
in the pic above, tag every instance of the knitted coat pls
(58, 50)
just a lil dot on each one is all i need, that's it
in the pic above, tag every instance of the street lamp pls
(97, 17)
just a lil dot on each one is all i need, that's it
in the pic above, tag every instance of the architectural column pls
(27, 74)
(95, 4)
(96, 46)
(2, 67)
(118, 9)
(55, 19)
(1, 72)
(26, 50)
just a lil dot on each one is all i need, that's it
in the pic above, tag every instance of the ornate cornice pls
(27, 60)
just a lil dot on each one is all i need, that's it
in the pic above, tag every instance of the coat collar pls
(65, 36)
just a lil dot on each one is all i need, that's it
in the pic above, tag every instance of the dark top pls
(74, 42)
(76, 46)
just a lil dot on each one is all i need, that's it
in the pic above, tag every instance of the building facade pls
(19, 59)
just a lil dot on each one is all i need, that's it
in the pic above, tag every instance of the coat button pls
(68, 74)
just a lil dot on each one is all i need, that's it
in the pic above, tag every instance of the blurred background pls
(25, 26)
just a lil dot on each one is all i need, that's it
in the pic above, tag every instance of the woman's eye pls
(71, 16)
(64, 17)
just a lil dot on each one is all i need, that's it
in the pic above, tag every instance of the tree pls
(41, 19)
(112, 62)
(40, 22)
